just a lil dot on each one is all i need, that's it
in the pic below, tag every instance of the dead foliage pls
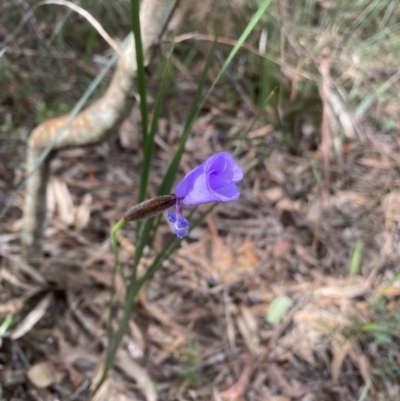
(199, 331)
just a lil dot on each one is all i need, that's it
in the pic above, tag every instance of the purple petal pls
(186, 185)
(225, 166)
(223, 190)
(181, 227)
(199, 193)
(237, 173)
(212, 181)
(171, 216)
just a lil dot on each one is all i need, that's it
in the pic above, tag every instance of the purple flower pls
(213, 181)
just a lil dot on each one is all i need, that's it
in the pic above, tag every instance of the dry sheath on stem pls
(91, 126)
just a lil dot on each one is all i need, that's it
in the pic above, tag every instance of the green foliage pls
(43, 113)
(5, 325)
(383, 331)
(355, 261)
(278, 309)
(7, 126)
(191, 364)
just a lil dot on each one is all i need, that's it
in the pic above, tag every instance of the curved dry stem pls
(93, 125)
(85, 14)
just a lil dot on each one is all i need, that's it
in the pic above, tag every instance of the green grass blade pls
(134, 287)
(141, 80)
(7, 322)
(364, 393)
(167, 183)
(169, 177)
(148, 148)
(257, 16)
(355, 261)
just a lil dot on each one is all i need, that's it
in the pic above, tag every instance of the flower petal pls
(199, 193)
(223, 190)
(181, 227)
(171, 216)
(212, 181)
(186, 185)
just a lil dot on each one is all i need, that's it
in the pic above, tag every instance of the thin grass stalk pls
(169, 176)
(250, 26)
(142, 235)
(144, 178)
(135, 286)
(141, 79)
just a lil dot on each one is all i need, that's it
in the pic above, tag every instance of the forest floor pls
(200, 330)
(289, 293)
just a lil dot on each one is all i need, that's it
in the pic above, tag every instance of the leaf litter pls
(215, 290)
(199, 330)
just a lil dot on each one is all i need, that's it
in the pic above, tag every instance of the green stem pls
(110, 332)
(141, 81)
(115, 249)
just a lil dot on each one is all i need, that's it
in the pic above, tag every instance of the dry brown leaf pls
(361, 361)
(279, 398)
(160, 335)
(33, 317)
(237, 390)
(157, 312)
(343, 115)
(217, 242)
(322, 320)
(11, 306)
(344, 289)
(276, 375)
(222, 263)
(339, 352)
(306, 255)
(274, 166)
(302, 340)
(273, 194)
(62, 200)
(363, 366)
(247, 247)
(260, 131)
(136, 372)
(391, 207)
(248, 328)
(104, 392)
(20, 264)
(128, 131)
(288, 205)
(126, 243)
(137, 344)
(364, 161)
(44, 374)
(389, 292)
(74, 376)
(15, 281)
(82, 213)
(281, 248)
